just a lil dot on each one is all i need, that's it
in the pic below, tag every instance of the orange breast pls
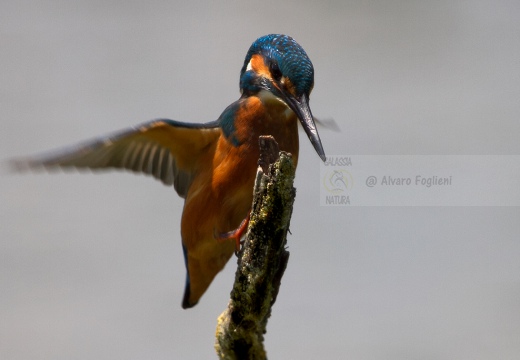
(236, 166)
(221, 194)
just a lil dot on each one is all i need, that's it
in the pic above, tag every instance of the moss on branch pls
(263, 259)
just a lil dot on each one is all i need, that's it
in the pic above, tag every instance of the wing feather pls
(168, 150)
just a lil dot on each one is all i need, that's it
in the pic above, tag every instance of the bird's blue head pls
(278, 64)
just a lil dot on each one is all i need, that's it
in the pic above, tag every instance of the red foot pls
(235, 234)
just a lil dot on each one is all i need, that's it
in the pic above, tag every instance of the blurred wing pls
(328, 123)
(166, 149)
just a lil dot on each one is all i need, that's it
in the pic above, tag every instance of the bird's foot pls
(235, 234)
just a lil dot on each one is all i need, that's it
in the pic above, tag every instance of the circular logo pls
(337, 181)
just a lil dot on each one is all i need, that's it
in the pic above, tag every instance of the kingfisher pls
(212, 165)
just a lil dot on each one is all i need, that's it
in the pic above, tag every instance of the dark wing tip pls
(24, 164)
(186, 304)
(17, 165)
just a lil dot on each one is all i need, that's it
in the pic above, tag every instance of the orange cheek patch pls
(258, 66)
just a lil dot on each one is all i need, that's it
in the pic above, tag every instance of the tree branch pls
(263, 259)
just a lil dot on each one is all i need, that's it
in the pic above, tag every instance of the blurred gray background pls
(91, 265)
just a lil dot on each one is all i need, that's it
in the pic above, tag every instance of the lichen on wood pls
(262, 260)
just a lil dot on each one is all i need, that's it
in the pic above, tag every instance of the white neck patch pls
(249, 66)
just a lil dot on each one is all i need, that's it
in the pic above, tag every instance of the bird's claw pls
(235, 235)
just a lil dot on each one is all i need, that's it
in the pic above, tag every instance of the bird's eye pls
(275, 71)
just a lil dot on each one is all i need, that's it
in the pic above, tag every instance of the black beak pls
(303, 112)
